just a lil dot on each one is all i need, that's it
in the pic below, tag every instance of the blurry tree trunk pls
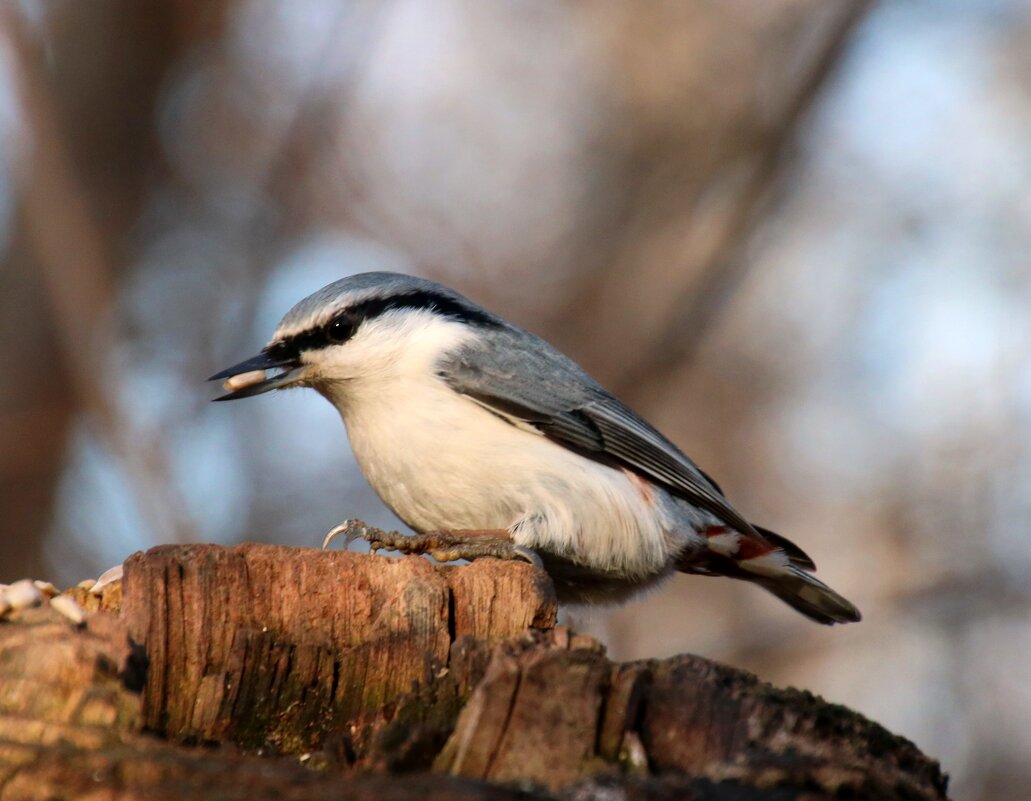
(87, 95)
(707, 100)
(364, 667)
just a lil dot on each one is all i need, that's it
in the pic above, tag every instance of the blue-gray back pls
(520, 375)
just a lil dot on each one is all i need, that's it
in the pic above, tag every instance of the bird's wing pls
(522, 378)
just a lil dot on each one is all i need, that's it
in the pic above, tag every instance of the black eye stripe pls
(316, 338)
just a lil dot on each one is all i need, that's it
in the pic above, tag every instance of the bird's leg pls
(444, 546)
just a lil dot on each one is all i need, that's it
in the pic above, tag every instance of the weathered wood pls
(556, 711)
(68, 713)
(143, 769)
(267, 645)
(352, 664)
(57, 679)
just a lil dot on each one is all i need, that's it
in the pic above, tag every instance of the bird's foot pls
(444, 546)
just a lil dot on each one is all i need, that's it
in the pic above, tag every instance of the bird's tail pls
(810, 596)
(778, 565)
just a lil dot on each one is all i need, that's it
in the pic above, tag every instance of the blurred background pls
(796, 235)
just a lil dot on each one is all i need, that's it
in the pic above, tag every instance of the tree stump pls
(263, 671)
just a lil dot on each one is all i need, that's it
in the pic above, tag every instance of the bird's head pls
(366, 327)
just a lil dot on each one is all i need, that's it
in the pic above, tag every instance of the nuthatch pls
(489, 442)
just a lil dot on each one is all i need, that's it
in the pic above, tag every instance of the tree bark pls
(263, 671)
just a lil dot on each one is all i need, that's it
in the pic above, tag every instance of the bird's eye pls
(341, 328)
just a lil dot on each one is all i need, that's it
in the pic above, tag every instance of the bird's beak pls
(250, 377)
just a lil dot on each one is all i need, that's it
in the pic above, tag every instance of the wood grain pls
(366, 676)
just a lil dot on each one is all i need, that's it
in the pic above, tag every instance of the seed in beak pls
(235, 382)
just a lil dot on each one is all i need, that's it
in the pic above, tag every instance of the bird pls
(488, 441)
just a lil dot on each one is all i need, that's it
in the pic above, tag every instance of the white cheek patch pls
(235, 382)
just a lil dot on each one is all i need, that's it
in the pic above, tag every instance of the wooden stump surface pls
(263, 671)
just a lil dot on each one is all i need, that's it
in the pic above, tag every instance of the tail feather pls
(777, 565)
(795, 555)
(810, 596)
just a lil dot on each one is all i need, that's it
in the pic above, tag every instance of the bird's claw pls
(351, 529)
(442, 545)
(528, 555)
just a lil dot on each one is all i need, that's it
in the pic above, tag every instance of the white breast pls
(441, 461)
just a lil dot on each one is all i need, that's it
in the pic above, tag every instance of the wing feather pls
(634, 442)
(566, 405)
